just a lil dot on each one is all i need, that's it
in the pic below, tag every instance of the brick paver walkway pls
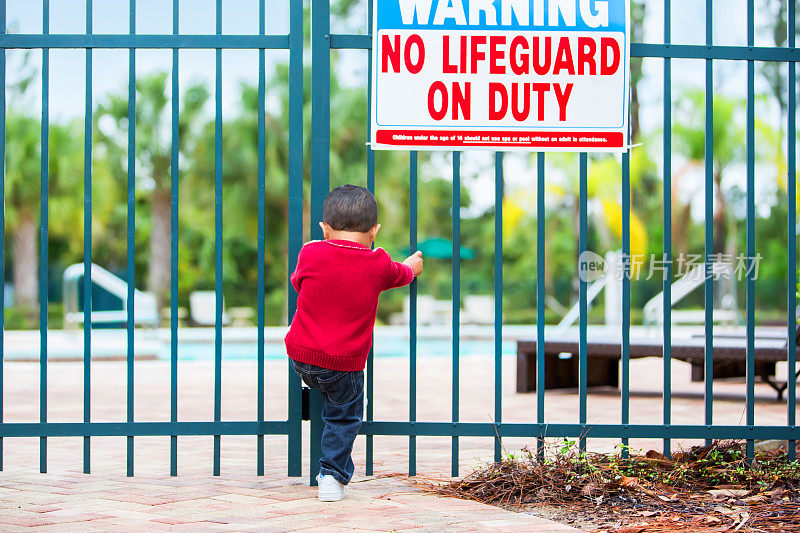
(74, 502)
(65, 499)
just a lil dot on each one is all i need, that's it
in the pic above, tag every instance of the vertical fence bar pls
(320, 160)
(218, 240)
(456, 301)
(626, 295)
(540, 257)
(708, 355)
(173, 260)
(666, 287)
(87, 247)
(3, 217)
(43, 259)
(412, 317)
(751, 215)
(295, 223)
(262, 191)
(498, 302)
(315, 433)
(582, 296)
(131, 278)
(371, 187)
(791, 314)
(320, 115)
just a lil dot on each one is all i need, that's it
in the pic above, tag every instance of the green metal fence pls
(322, 43)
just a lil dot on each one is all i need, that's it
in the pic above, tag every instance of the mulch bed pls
(705, 489)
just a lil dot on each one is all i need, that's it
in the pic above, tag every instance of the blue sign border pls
(389, 16)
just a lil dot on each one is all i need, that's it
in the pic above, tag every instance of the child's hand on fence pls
(415, 262)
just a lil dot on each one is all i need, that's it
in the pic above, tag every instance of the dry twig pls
(704, 489)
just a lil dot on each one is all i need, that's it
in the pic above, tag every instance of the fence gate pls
(322, 42)
(293, 42)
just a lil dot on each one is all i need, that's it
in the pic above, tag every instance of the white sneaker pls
(329, 489)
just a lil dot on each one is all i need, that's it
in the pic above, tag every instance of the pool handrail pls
(145, 309)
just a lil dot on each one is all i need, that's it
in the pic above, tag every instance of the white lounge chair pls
(478, 309)
(203, 309)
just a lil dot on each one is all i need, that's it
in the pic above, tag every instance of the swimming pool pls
(385, 346)
(197, 344)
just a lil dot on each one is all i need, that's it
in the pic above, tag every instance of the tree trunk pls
(26, 262)
(720, 216)
(638, 10)
(681, 214)
(635, 110)
(158, 281)
(680, 229)
(576, 220)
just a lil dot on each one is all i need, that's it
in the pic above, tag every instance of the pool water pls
(384, 347)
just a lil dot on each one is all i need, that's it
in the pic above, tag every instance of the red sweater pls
(338, 283)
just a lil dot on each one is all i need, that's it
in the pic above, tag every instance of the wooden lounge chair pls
(604, 353)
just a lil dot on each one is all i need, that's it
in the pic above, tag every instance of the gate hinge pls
(306, 403)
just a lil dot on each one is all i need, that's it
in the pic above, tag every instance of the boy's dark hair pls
(350, 208)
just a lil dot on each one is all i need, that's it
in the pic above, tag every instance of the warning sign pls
(500, 74)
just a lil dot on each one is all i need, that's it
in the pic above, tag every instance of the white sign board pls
(535, 75)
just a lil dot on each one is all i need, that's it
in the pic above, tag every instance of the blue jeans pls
(342, 411)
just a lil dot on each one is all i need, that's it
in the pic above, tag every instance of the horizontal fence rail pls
(322, 44)
(228, 42)
(426, 429)
(122, 429)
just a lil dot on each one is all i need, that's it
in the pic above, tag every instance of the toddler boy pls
(338, 281)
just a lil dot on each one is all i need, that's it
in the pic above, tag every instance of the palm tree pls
(22, 195)
(729, 138)
(22, 191)
(604, 189)
(153, 157)
(22, 204)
